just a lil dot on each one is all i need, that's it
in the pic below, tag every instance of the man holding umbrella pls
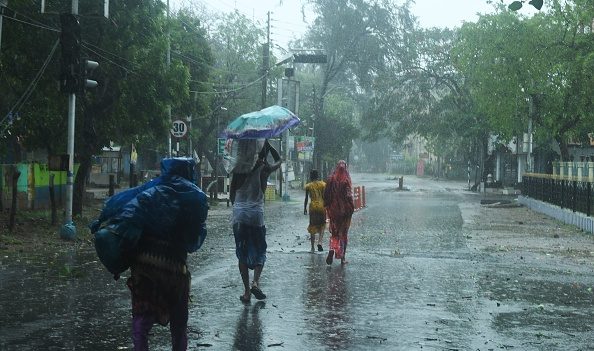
(250, 174)
(248, 185)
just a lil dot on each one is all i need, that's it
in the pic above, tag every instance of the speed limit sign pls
(179, 128)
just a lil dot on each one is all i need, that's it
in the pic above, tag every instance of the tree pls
(420, 92)
(236, 75)
(189, 44)
(31, 115)
(340, 130)
(516, 5)
(354, 36)
(495, 72)
(535, 68)
(135, 84)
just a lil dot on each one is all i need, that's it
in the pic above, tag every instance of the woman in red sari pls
(338, 199)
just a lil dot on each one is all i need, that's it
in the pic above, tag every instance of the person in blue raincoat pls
(157, 224)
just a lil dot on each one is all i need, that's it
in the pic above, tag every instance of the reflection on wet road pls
(248, 333)
(327, 302)
(419, 276)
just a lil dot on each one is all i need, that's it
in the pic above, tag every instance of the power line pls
(36, 24)
(295, 24)
(37, 78)
(232, 90)
(31, 24)
(202, 82)
(23, 99)
(85, 44)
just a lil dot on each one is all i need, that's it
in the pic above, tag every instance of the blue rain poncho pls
(170, 207)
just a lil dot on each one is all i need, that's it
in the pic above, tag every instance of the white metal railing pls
(581, 171)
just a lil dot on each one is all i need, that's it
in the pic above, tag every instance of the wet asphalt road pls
(427, 271)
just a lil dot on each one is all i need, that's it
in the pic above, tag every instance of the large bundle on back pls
(170, 207)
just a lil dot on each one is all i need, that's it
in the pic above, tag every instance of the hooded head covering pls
(340, 173)
(178, 166)
(338, 187)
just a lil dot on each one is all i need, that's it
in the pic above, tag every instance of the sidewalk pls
(102, 193)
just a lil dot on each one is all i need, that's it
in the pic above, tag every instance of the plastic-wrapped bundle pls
(241, 154)
(170, 208)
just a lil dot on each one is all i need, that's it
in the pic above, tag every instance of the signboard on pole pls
(310, 58)
(304, 146)
(221, 145)
(179, 129)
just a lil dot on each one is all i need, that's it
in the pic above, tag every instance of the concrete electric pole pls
(73, 80)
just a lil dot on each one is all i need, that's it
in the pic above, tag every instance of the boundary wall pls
(567, 216)
(32, 186)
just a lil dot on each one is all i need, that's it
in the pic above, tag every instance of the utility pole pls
(532, 114)
(286, 196)
(3, 5)
(314, 157)
(69, 229)
(73, 80)
(279, 102)
(265, 62)
(216, 155)
(316, 58)
(189, 118)
(169, 146)
(468, 172)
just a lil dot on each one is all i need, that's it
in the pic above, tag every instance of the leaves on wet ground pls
(380, 338)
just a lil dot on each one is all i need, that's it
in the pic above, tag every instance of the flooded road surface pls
(429, 268)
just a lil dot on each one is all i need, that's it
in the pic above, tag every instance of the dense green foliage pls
(385, 77)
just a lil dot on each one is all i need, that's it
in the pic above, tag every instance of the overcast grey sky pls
(287, 20)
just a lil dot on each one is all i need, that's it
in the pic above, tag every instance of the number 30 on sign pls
(179, 129)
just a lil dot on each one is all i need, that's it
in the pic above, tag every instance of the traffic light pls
(86, 68)
(70, 44)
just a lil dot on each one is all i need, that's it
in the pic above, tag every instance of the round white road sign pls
(179, 128)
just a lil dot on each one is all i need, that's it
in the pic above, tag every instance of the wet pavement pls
(429, 268)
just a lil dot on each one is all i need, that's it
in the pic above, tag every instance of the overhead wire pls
(205, 92)
(36, 80)
(95, 49)
(231, 90)
(33, 22)
(259, 79)
(25, 97)
(107, 52)
(196, 61)
(127, 69)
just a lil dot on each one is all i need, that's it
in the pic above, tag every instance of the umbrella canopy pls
(266, 123)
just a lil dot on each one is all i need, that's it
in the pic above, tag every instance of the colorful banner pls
(304, 146)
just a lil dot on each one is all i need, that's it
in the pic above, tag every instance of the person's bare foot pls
(330, 257)
(245, 299)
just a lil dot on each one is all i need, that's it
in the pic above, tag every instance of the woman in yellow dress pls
(317, 212)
